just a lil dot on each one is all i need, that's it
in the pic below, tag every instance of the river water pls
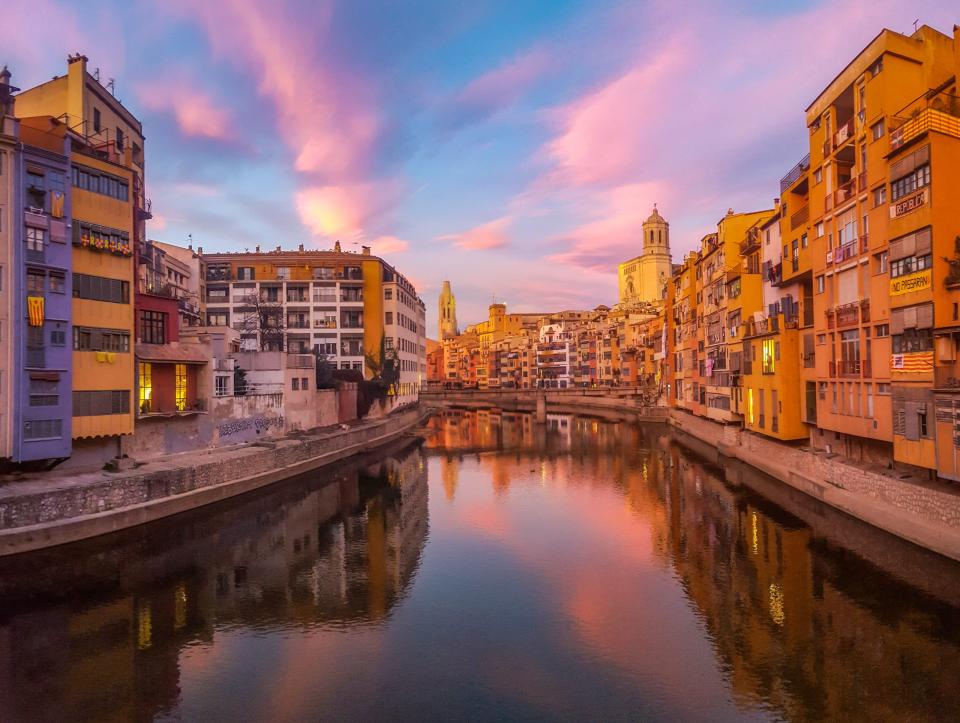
(578, 570)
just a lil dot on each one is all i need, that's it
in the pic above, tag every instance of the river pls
(499, 569)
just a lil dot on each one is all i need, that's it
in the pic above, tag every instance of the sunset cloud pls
(195, 111)
(490, 235)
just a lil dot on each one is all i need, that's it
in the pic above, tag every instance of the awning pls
(174, 353)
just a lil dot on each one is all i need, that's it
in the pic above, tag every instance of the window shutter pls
(896, 321)
(910, 317)
(912, 424)
(896, 249)
(847, 282)
(925, 316)
(924, 241)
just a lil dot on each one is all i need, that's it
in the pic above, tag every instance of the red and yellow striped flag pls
(913, 363)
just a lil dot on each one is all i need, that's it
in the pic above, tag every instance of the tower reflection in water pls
(812, 615)
(97, 631)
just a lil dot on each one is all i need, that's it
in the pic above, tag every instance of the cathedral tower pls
(447, 323)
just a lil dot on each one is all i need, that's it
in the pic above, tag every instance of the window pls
(821, 284)
(246, 273)
(283, 272)
(96, 120)
(883, 388)
(303, 383)
(35, 238)
(43, 429)
(218, 318)
(922, 421)
(221, 386)
(58, 337)
(881, 330)
(180, 386)
(912, 340)
(87, 179)
(803, 241)
(99, 288)
(99, 403)
(145, 385)
(153, 327)
(876, 68)
(388, 294)
(93, 339)
(821, 338)
(57, 282)
(35, 282)
(770, 353)
(877, 130)
(880, 261)
(911, 182)
(817, 176)
(879, 196)
(909, 265)
(119, 139)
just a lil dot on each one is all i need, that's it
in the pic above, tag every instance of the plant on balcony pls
(953, 275)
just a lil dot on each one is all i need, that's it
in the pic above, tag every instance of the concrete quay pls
(57, 508)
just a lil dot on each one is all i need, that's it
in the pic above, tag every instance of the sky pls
(512, 147)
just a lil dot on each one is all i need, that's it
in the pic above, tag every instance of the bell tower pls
(447, 321)
(656, 265)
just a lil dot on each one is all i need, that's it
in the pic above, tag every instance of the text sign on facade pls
(911, 203)
(918, 281)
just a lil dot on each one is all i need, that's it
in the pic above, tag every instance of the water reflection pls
(810, 614)
(574, 570)
(96, 631)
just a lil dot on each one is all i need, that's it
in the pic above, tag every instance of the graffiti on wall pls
(259, 424)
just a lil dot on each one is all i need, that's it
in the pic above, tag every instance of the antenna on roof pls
(112, 86)
(915, 24)
(96, 74)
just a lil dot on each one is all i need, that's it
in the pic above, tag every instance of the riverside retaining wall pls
(926, 513)
(37, 515)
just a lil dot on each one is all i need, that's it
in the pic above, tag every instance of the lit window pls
(181, 386)
(146, 387)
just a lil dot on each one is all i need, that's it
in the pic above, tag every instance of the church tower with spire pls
(643, 278)
(447, 322)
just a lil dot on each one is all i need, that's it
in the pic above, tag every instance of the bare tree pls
(265, 320)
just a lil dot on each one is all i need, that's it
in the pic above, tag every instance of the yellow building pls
(346, 306)
(109, 213)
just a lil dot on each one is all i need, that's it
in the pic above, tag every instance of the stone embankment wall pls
(613, 404)
(48, 514)
(926, 513)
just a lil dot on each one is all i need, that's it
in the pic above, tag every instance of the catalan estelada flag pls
(35, 310)
(912, 363)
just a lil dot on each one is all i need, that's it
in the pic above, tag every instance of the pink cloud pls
(325, 113)
(490, 235)
(383, 245)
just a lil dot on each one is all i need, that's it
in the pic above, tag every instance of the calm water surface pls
(582, 570)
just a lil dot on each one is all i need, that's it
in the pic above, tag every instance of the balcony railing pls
(842, 253)
(928, 119)
(845, 192)
(845, 368)
(800, 217)
(844, 133)
(793, 175)
(946, 378)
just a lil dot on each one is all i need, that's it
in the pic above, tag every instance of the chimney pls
(278, 249)
(200, 250)
(189, 247)
(301, 248)
(6, 92)
(776, 203)
(366, 250)
(336, 247)
(257, 249)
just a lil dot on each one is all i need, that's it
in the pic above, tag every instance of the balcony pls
(750, 243)
(928, 119)
(794, 174)
(299, 361)
(843, 253)
(298, 324)
(946, 378)
(845, 192)
(758, 327)
(798, 218)
(324, 298)
(150, 408)
(844, 134)
(848, 314)
(845, 368)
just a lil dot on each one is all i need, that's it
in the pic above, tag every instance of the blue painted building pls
(39, 408)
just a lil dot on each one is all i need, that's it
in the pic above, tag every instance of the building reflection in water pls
(812, 615)
(95, 631)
